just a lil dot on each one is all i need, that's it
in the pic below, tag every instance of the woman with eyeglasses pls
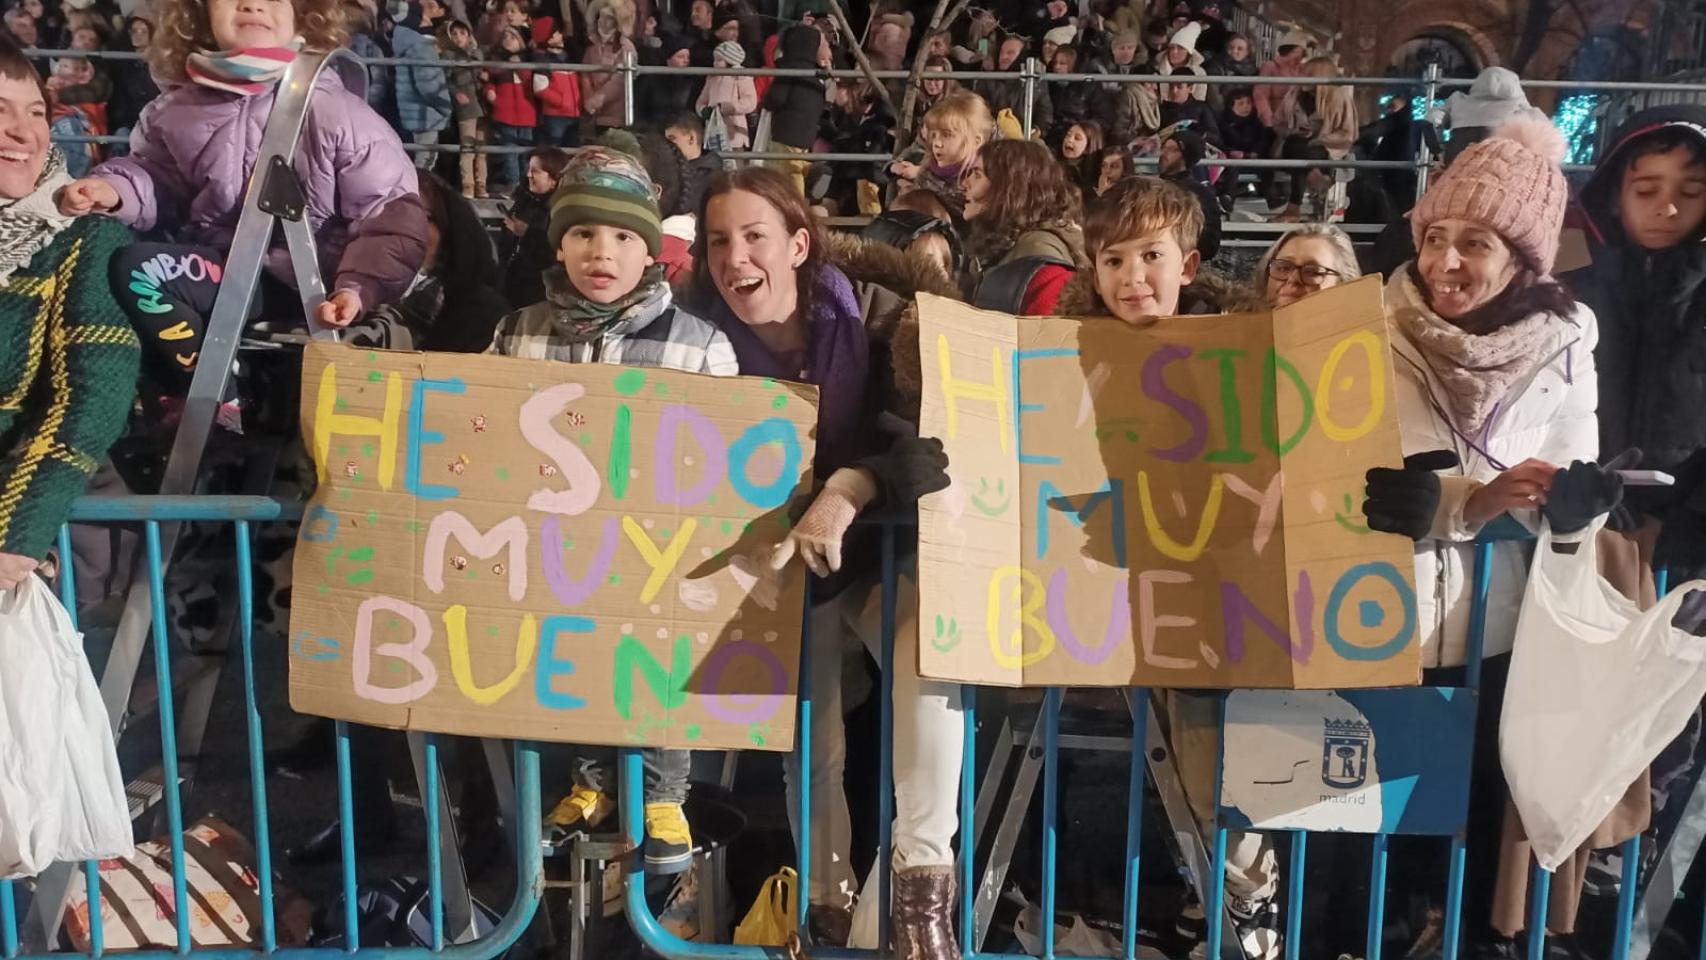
(1313, 257)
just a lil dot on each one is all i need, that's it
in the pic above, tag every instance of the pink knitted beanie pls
(1513, 183)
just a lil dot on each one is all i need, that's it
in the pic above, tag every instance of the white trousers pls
(928, 742)
(1252, 870)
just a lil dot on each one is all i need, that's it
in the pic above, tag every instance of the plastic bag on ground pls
(61, 793)
(1597, 689)
(771, 919)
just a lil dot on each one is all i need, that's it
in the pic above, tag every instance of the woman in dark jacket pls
(796, 104)
(1025, 243)
(794, 311)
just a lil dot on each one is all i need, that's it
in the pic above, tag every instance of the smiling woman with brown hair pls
(68, 356)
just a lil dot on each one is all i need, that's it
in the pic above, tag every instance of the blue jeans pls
(510, 164)
(559, 131)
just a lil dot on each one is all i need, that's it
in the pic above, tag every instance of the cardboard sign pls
(1355, 761)
(515, 548)
(1176, 505)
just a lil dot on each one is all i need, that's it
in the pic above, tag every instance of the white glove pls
(817, 537)
(540, 82)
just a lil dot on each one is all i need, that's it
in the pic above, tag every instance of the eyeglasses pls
(1308, 274)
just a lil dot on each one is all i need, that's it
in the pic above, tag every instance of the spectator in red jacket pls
(514, 112)
(559, 91)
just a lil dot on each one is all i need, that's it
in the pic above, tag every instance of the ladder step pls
(146, 791)
(187, 669)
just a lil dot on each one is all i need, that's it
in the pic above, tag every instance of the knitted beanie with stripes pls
(1511, 183)
(603, 186)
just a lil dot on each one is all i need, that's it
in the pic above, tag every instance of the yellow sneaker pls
(669, 841)
(584, 806)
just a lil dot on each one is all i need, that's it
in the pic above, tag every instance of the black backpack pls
(1003, 287)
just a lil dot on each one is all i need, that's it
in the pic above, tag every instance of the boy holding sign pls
(1142, 240)
(607, 302)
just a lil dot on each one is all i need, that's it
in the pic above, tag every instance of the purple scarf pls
(837, 362)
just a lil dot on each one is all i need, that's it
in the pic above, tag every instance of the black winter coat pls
(796, 103)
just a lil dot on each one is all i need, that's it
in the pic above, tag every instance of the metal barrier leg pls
(1134, 827)
(1007, 835)
(453, 879)
(1454, 899)
(1539, 898)
(1377, 898)
(1626, 899)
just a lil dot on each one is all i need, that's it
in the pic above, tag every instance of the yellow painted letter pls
(462, 666)
(327, 421)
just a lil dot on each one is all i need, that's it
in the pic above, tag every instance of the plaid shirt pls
(670, 338)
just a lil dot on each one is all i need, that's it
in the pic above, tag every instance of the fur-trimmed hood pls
(888, 283)
(1210, 292)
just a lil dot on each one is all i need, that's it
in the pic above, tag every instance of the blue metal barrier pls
(242, 512)
(665, 943)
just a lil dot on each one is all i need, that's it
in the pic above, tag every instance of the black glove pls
(1404, 501)
(911, 468)
(1584, 490)
(1691, 615)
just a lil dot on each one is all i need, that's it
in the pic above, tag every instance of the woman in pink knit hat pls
(1496, 392)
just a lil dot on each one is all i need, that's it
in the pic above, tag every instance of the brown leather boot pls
(923, 914)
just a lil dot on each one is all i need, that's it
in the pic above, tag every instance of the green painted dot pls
(568, 543)
(345, 493)
(663, 534)
(503, 473)
(343, 449)
(663, 389)
(586, 439)
(746, 526)
(770, 383)
(1131, 436)
(373, 376)
(340, 405)
(735, 397)
(780, 401)
(393, 666)
(472, 573)
(755, 734)
(693, 732)
(728, 527)
(491, 631)
(414, 526)
(367, 449)
(372, 357)
(712, 499)
(629, 382)
(323, 590)
(615, 579)
(373, 516)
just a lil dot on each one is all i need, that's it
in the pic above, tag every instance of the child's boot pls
(669, 841)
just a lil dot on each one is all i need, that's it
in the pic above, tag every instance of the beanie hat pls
(731, 53)
(1494, 99)
(1512, 183)
(1061, 36)
(619, 140)
(602, 186)
(674, 43)
(1186, 36)
(1295, 38)
(1191, 146)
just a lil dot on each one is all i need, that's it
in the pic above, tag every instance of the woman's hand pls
(461, 99)
(340, 309)
(517, 227)
(88, 195)
(817, 536)
(14, 568)
(1522, 487)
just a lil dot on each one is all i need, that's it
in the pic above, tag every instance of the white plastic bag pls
(1597, 688)
(61, 793)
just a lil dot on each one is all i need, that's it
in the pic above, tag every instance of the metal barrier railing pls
(1144, 737)
(1430, 83)
(41, 939)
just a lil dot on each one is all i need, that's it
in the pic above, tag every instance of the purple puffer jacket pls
(190, 159)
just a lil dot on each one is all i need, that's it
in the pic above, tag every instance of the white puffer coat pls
(1548, 415)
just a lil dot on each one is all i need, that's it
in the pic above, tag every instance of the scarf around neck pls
(1477, 371)
(579, 320)
(29, 223)
(244, 71)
